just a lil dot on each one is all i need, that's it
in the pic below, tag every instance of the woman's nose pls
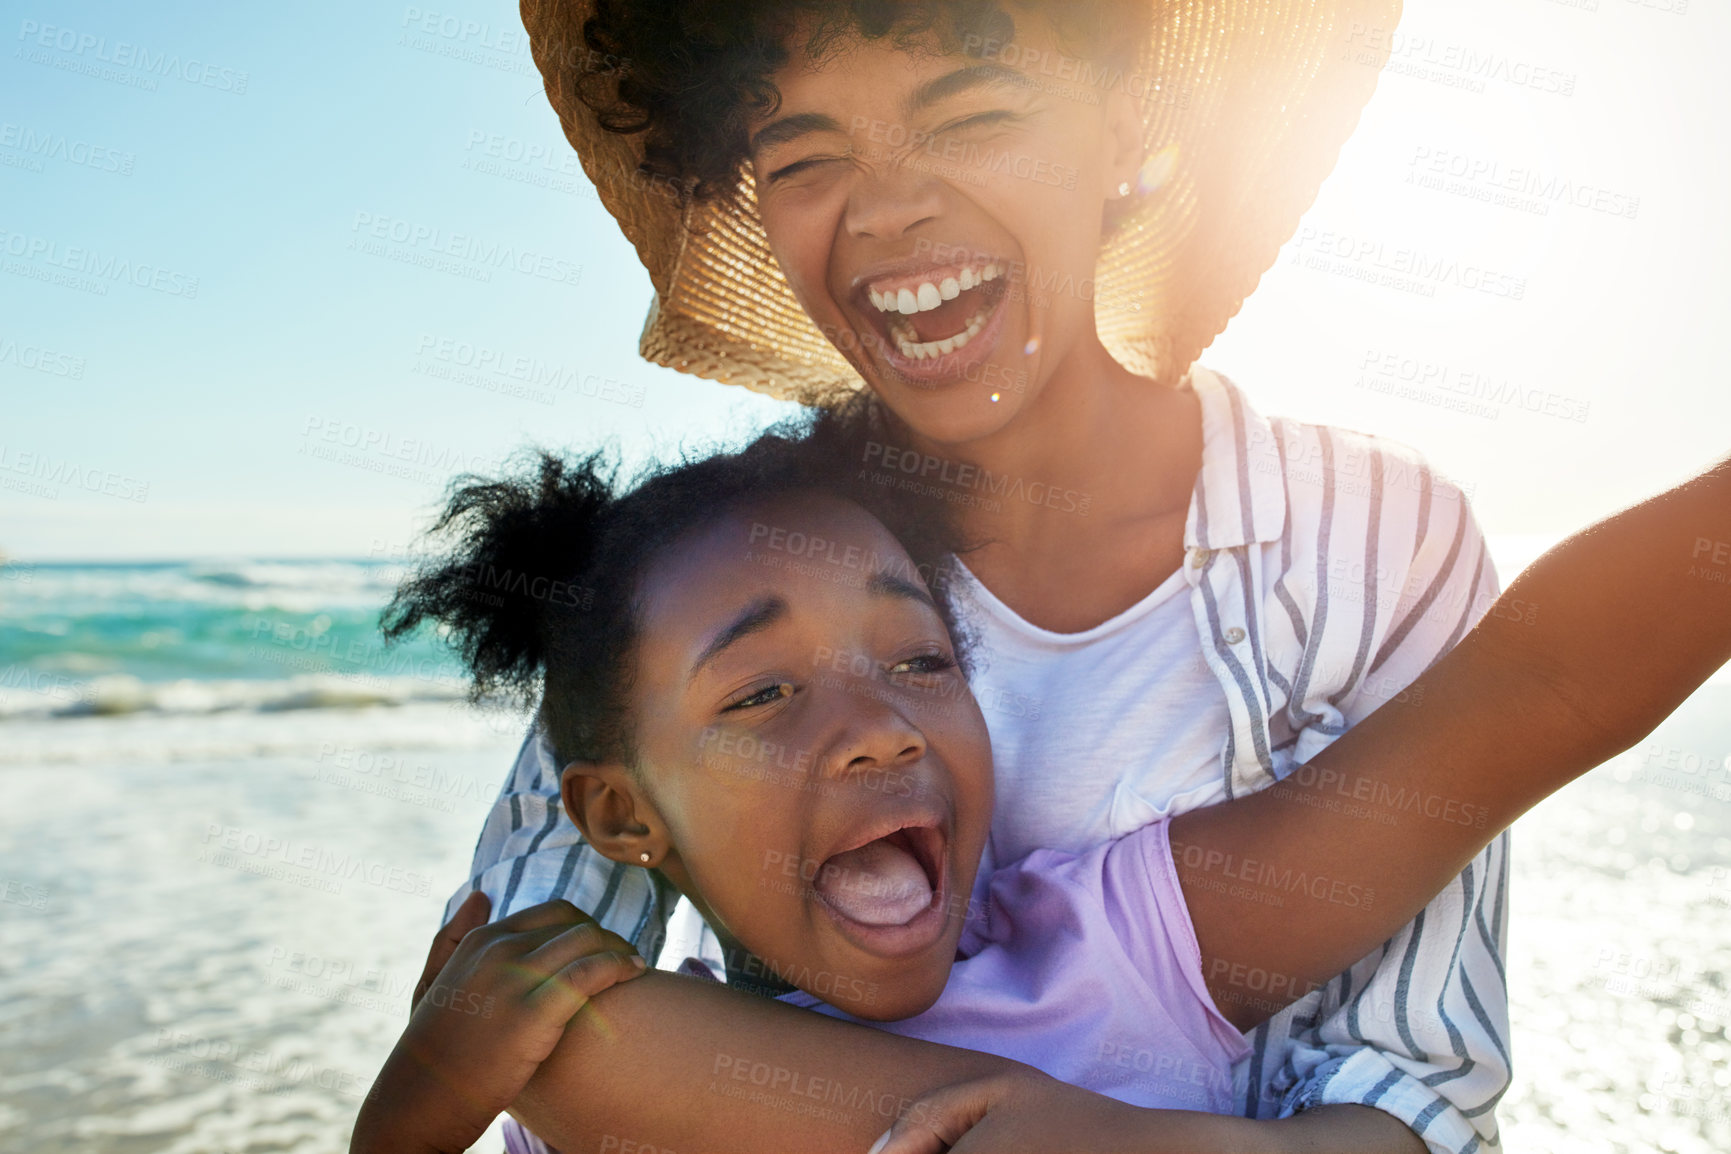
(890, 199)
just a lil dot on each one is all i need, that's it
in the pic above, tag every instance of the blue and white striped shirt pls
(1332, 568)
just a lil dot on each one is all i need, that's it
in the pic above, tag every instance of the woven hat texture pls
(1245, 106)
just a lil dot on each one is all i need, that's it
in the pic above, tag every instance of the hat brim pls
(1245, 103)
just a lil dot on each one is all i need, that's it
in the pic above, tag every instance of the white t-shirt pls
(1098, 733)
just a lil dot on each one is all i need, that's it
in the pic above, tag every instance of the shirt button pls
(1200, 558)
(1234, 635)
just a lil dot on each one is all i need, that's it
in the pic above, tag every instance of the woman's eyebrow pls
(791, 128)
(964, 80)
(755, 618)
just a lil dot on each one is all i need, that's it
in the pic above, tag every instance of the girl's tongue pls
(878, 884)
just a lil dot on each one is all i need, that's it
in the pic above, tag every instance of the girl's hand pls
(492, 1003)
(1020, 1111)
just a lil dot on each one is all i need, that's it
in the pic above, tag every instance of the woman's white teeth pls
(928, 296)
(924, 350)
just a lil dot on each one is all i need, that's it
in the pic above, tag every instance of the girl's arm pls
(1628, 622)
(673, 1063)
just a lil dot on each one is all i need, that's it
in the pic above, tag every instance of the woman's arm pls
(1290, 886)
(684, 1064)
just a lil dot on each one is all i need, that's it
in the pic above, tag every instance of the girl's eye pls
(925, 663)
(766, 696)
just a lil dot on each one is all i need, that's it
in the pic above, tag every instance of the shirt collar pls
(1240, 494)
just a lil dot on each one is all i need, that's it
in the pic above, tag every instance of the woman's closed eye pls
(808, 164)
(978, 120)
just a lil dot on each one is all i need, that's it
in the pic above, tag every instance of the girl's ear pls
(609, 806)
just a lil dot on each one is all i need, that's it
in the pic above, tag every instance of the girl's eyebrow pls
(886, 584)
(755, 618)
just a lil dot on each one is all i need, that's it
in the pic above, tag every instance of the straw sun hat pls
(1245, 105)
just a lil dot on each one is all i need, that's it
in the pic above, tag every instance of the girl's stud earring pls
(644, 857)
(1124, 189)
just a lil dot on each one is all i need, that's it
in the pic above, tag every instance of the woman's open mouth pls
(888, 894)
(935, 323)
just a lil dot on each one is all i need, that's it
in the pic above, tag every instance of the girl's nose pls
(874, 734)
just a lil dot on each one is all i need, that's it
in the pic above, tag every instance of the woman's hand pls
(1024, 1110)
(491, 1004)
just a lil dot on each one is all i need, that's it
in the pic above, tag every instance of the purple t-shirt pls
(1086, 967)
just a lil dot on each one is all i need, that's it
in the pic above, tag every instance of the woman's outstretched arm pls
(675, 1063)
(1629, 621)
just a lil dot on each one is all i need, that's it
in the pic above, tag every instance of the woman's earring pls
(644, 857)
(1124, 189)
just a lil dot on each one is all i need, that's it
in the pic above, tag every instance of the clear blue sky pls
(252, 146)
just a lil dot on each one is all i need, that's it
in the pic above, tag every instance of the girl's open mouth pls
(935, 323)
(888, 895)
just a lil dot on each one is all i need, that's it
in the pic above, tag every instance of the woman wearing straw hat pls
(1018, 225)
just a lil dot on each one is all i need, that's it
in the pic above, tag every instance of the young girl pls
(1017, 225)
(713, 637)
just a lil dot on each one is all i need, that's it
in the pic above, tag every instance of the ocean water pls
(231, 817)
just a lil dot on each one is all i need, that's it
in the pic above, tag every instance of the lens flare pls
(1157, 170)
